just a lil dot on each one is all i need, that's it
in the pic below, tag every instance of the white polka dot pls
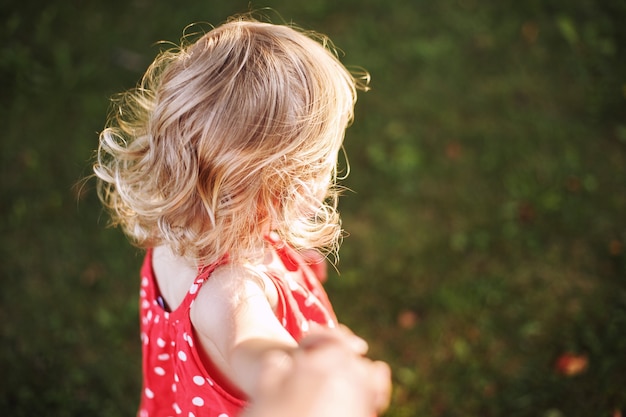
(144, 281)
(209, 381)
(159, 371)
(193, 289)
(149, 315)
(305, 326)
(182, 355)
(188, 339)
(176, 378)
(142, 293)
(163, 356)
(191, 414)
(145, 304)
(197, 401)
(198, 380)
(223, 415)
(310, 300)
(177, 408)
(149, 393)
(160, 342)
(166, 315)
(173, 387)
(157, 319)
(143, 413)
(145, 338)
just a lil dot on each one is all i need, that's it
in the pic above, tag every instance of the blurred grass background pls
(487, 225)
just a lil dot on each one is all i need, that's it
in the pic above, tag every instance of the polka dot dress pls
(175, 380)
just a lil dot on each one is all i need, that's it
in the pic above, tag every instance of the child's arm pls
(236, 325)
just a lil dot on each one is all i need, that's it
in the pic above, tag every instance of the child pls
(219, 163)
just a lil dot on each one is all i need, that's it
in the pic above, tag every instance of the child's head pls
(228, 137)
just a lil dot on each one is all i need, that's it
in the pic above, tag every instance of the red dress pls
(175, 380)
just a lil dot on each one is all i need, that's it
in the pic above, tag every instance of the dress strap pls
(204, 272)
(289, 257)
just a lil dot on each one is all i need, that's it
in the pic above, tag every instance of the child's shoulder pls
(235, 304)
(235, 285)
(229, 282)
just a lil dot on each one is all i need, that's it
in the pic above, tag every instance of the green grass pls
(487, 223)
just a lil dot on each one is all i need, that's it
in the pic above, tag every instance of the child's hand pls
(325, 376)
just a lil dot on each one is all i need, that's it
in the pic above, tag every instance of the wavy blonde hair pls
(226, 137)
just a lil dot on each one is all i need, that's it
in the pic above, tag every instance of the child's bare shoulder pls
(233, 308)
(232, 292)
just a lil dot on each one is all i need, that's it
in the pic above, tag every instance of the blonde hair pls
(227, 135)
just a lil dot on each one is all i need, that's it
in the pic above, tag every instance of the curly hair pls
(226, 137)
